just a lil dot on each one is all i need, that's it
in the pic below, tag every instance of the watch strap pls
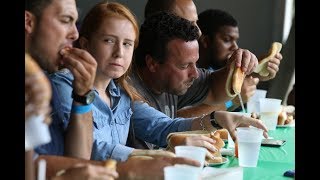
(81, 99)
(214, 122)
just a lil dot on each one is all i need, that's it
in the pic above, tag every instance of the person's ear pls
(29, 21)
(151, 64)
(204, 40)
(83, 42)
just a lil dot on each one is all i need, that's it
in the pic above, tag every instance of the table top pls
(273, 161)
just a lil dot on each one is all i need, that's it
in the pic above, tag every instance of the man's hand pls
(202, 141)
(245, 59)
(272, 67)
(150, 168)
(87, 171)
(231, 121)
(83, 67)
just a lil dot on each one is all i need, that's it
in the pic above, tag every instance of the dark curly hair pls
(156, 32)
(211, 20)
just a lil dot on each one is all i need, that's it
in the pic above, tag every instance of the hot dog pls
(144, 154)
(234, 80)
(261, 69)
(31, 67)
(111, 164)
(178, 138)
(218, 144)
(34, 104)
(223, 133)
(282, 117)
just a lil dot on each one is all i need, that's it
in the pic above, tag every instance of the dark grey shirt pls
(169, 103)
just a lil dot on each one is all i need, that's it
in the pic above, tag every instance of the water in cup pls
(269, 111)
(249, 143)
(192, 152)
(253, 102)
(250, 150)
(270, 119)
(230, 141)
(184, 172)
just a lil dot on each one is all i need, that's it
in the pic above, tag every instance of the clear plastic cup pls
(36, 132)
(184, 172)
(192, 152)
(230, 141)
(269, 112)
(253, 102)
(249, 143)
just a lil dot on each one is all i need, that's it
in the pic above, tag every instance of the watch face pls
(90, 97)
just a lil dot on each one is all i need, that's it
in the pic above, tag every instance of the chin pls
(115, 74)
(180, 92)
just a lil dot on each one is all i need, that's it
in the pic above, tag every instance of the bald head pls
(183, 8)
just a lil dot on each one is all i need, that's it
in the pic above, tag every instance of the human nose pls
(235, 45)
(118, 50)
(194, 72)
(199, 32)
(74, 34)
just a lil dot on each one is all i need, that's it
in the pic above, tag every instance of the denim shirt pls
(154, 126)
(111, 126)
(56, 128)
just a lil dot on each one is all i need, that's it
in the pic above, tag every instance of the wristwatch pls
(213, 121)
(85, 99)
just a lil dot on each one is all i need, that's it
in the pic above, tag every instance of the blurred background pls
(260, 22)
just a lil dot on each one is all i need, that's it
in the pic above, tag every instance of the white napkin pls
(234, 173)
(227, 152)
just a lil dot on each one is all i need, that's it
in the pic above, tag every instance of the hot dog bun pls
(141, 157)
(151, 153)
(111, 164)
(223, 133)
(218, 144)
(31, 67)
(282, 117)
(286, 115)
(178, 138)
(36, 101)
(261, 69)
(234, 80)
(289, 119)
(237, 80)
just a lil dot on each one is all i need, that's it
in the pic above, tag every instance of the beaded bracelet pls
(201, 122)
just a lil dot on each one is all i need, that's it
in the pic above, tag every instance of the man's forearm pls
(58, 163)
(79, 136)
(197, 111)
(29, 165)
(202, 123)
(217, 93)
